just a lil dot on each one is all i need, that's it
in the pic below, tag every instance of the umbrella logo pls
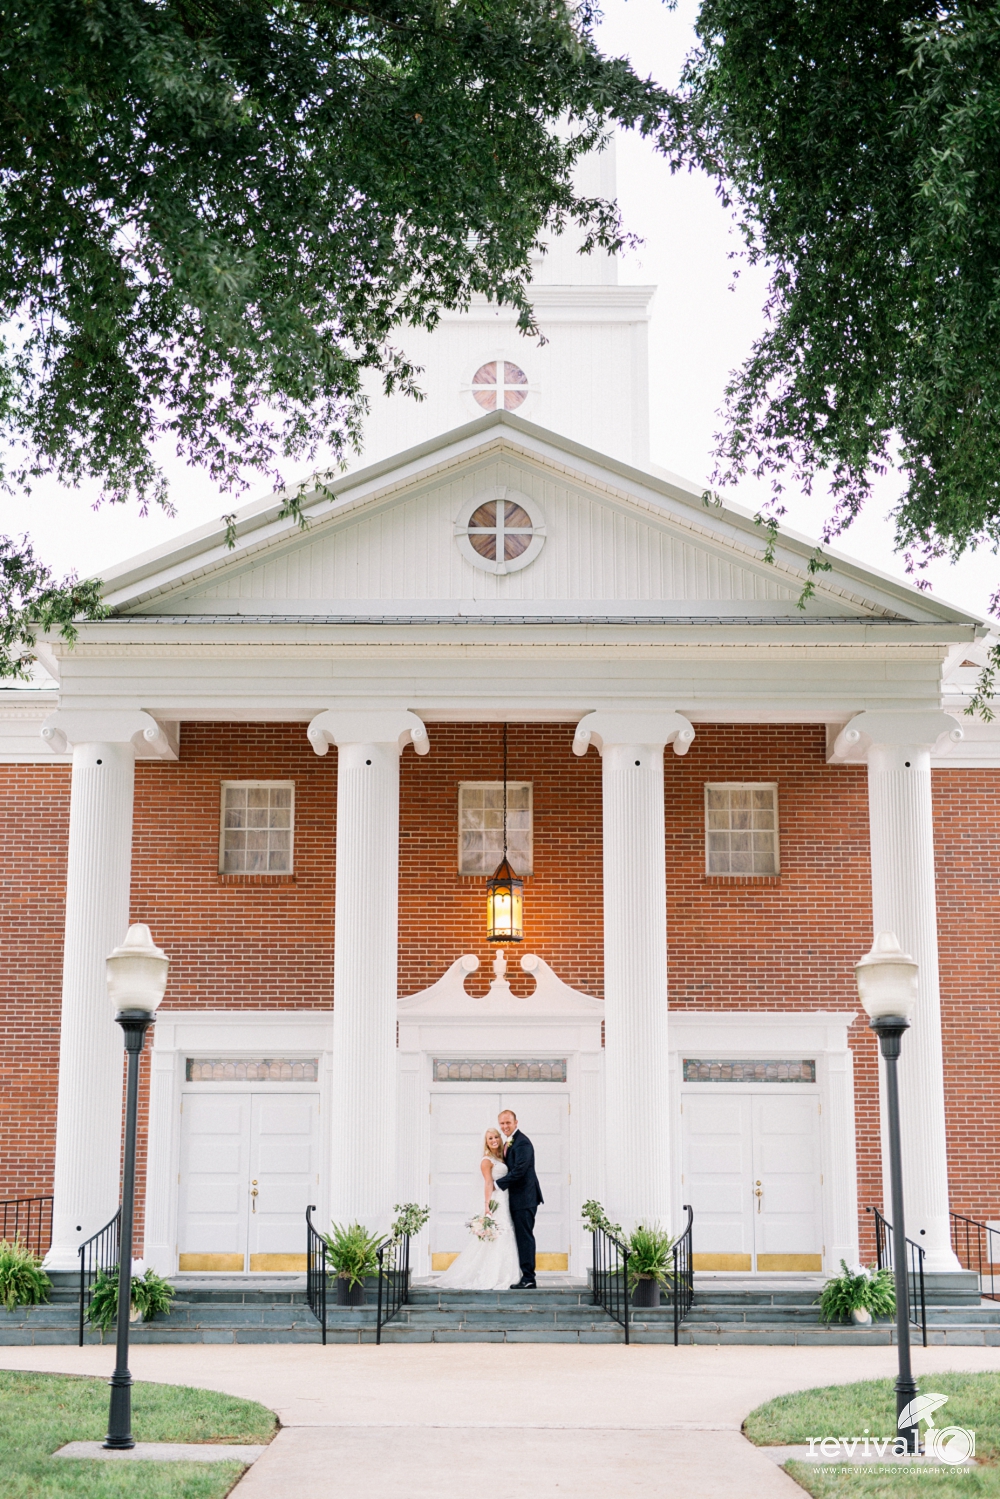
(920, 1409)
(949, 1444)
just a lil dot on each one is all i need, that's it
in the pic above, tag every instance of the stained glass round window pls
(500, 531)
(499, 386)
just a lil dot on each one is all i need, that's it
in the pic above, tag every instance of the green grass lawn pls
(40, 1412)
(870, 1406)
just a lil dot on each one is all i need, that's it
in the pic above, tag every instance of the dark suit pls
(524, 1196)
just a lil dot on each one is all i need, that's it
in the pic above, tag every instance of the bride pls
(488, 1265)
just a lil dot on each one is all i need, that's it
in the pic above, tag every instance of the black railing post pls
(24, 1219)
(394, 1281)
(316, 1280)
(610, 1273)
(99, 1252)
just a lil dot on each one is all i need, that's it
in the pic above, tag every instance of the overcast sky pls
(702, 327)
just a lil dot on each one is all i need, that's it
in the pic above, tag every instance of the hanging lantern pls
(504, 905)
(505, 890)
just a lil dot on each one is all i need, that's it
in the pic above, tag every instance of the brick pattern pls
(33, 837)
(768, 943)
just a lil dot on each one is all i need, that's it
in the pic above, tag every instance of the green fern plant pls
(151, 1294)
(858, 1290)
(23, 1282)
(649, 1255)
(352, 1251)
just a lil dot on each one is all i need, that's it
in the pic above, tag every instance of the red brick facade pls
(785, 942)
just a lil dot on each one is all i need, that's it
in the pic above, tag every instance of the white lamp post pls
(887, 986)
(137, 977)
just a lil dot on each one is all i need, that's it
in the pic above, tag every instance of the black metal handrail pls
(610, 1276)
(977, 1247)
(316, 1270)
(393, 1279)
(682, 1277)
(29, 1221)
(915, 1267)
(99, 1252)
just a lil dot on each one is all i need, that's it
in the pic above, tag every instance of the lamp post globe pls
(887, 987)
(137, 978)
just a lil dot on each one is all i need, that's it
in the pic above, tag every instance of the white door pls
(718, 1161)
(787, 1222)
(458, 1124)
(751, 1166)
(284, 1176)
(249, 1167)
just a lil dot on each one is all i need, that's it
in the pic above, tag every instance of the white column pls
(898, 750)
(89, 1106)
(363, 1109)
(639, 1168)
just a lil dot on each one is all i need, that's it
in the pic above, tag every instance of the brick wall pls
(33, 834)
(967, 841)
(775, 943)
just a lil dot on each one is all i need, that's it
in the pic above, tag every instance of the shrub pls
(23, 1282)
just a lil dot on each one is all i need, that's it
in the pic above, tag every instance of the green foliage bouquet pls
(858, 1290)
(410, 1219)
(23, 1282)
(352, 1252)
(594, 1218)
(150, 1294)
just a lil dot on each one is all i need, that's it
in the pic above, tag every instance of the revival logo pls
(952, 1445)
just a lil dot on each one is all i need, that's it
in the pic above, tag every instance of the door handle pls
(253, 1194)
(758, 1192)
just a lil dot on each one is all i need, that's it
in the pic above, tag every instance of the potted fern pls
(648, 1262)
(151, 1295)
(352, 1256)
(858, 1295)
(23, 1282)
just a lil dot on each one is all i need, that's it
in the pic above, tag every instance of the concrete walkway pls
(437, 1421)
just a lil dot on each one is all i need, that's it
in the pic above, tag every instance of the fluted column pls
(98, 874)
(637, 1112)
(901, 825)
(363, 1106)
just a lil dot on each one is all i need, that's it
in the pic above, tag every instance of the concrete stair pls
(726, 1310)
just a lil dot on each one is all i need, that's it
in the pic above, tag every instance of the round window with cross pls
(500, 531)
(499, 385)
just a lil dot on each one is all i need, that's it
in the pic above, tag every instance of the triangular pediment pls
(608, 542)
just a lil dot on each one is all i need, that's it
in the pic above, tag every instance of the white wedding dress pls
(487, 1265)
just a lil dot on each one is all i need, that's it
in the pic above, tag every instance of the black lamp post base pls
(119, 1437)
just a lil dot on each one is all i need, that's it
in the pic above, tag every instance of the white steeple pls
(589, 381)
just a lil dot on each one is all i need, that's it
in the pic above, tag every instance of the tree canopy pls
(215, 213)
(860, 146)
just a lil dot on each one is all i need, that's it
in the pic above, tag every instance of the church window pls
(499, 386)
(257, 824)
(480, 826)
(500, 531)
(741, 829)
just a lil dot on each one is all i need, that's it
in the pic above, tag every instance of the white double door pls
(250, 1166)
(459, 1120)
(752, 1174)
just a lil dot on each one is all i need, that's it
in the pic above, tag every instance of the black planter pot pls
(646, 1292)
(348, 1295)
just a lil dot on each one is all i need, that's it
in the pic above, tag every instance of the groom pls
(525, 1195)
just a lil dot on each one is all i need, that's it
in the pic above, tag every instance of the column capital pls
(151, 740)
(342, 726)
(608, 727)
(919, 730)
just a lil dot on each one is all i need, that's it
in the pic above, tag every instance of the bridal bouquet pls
(484, 1225)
